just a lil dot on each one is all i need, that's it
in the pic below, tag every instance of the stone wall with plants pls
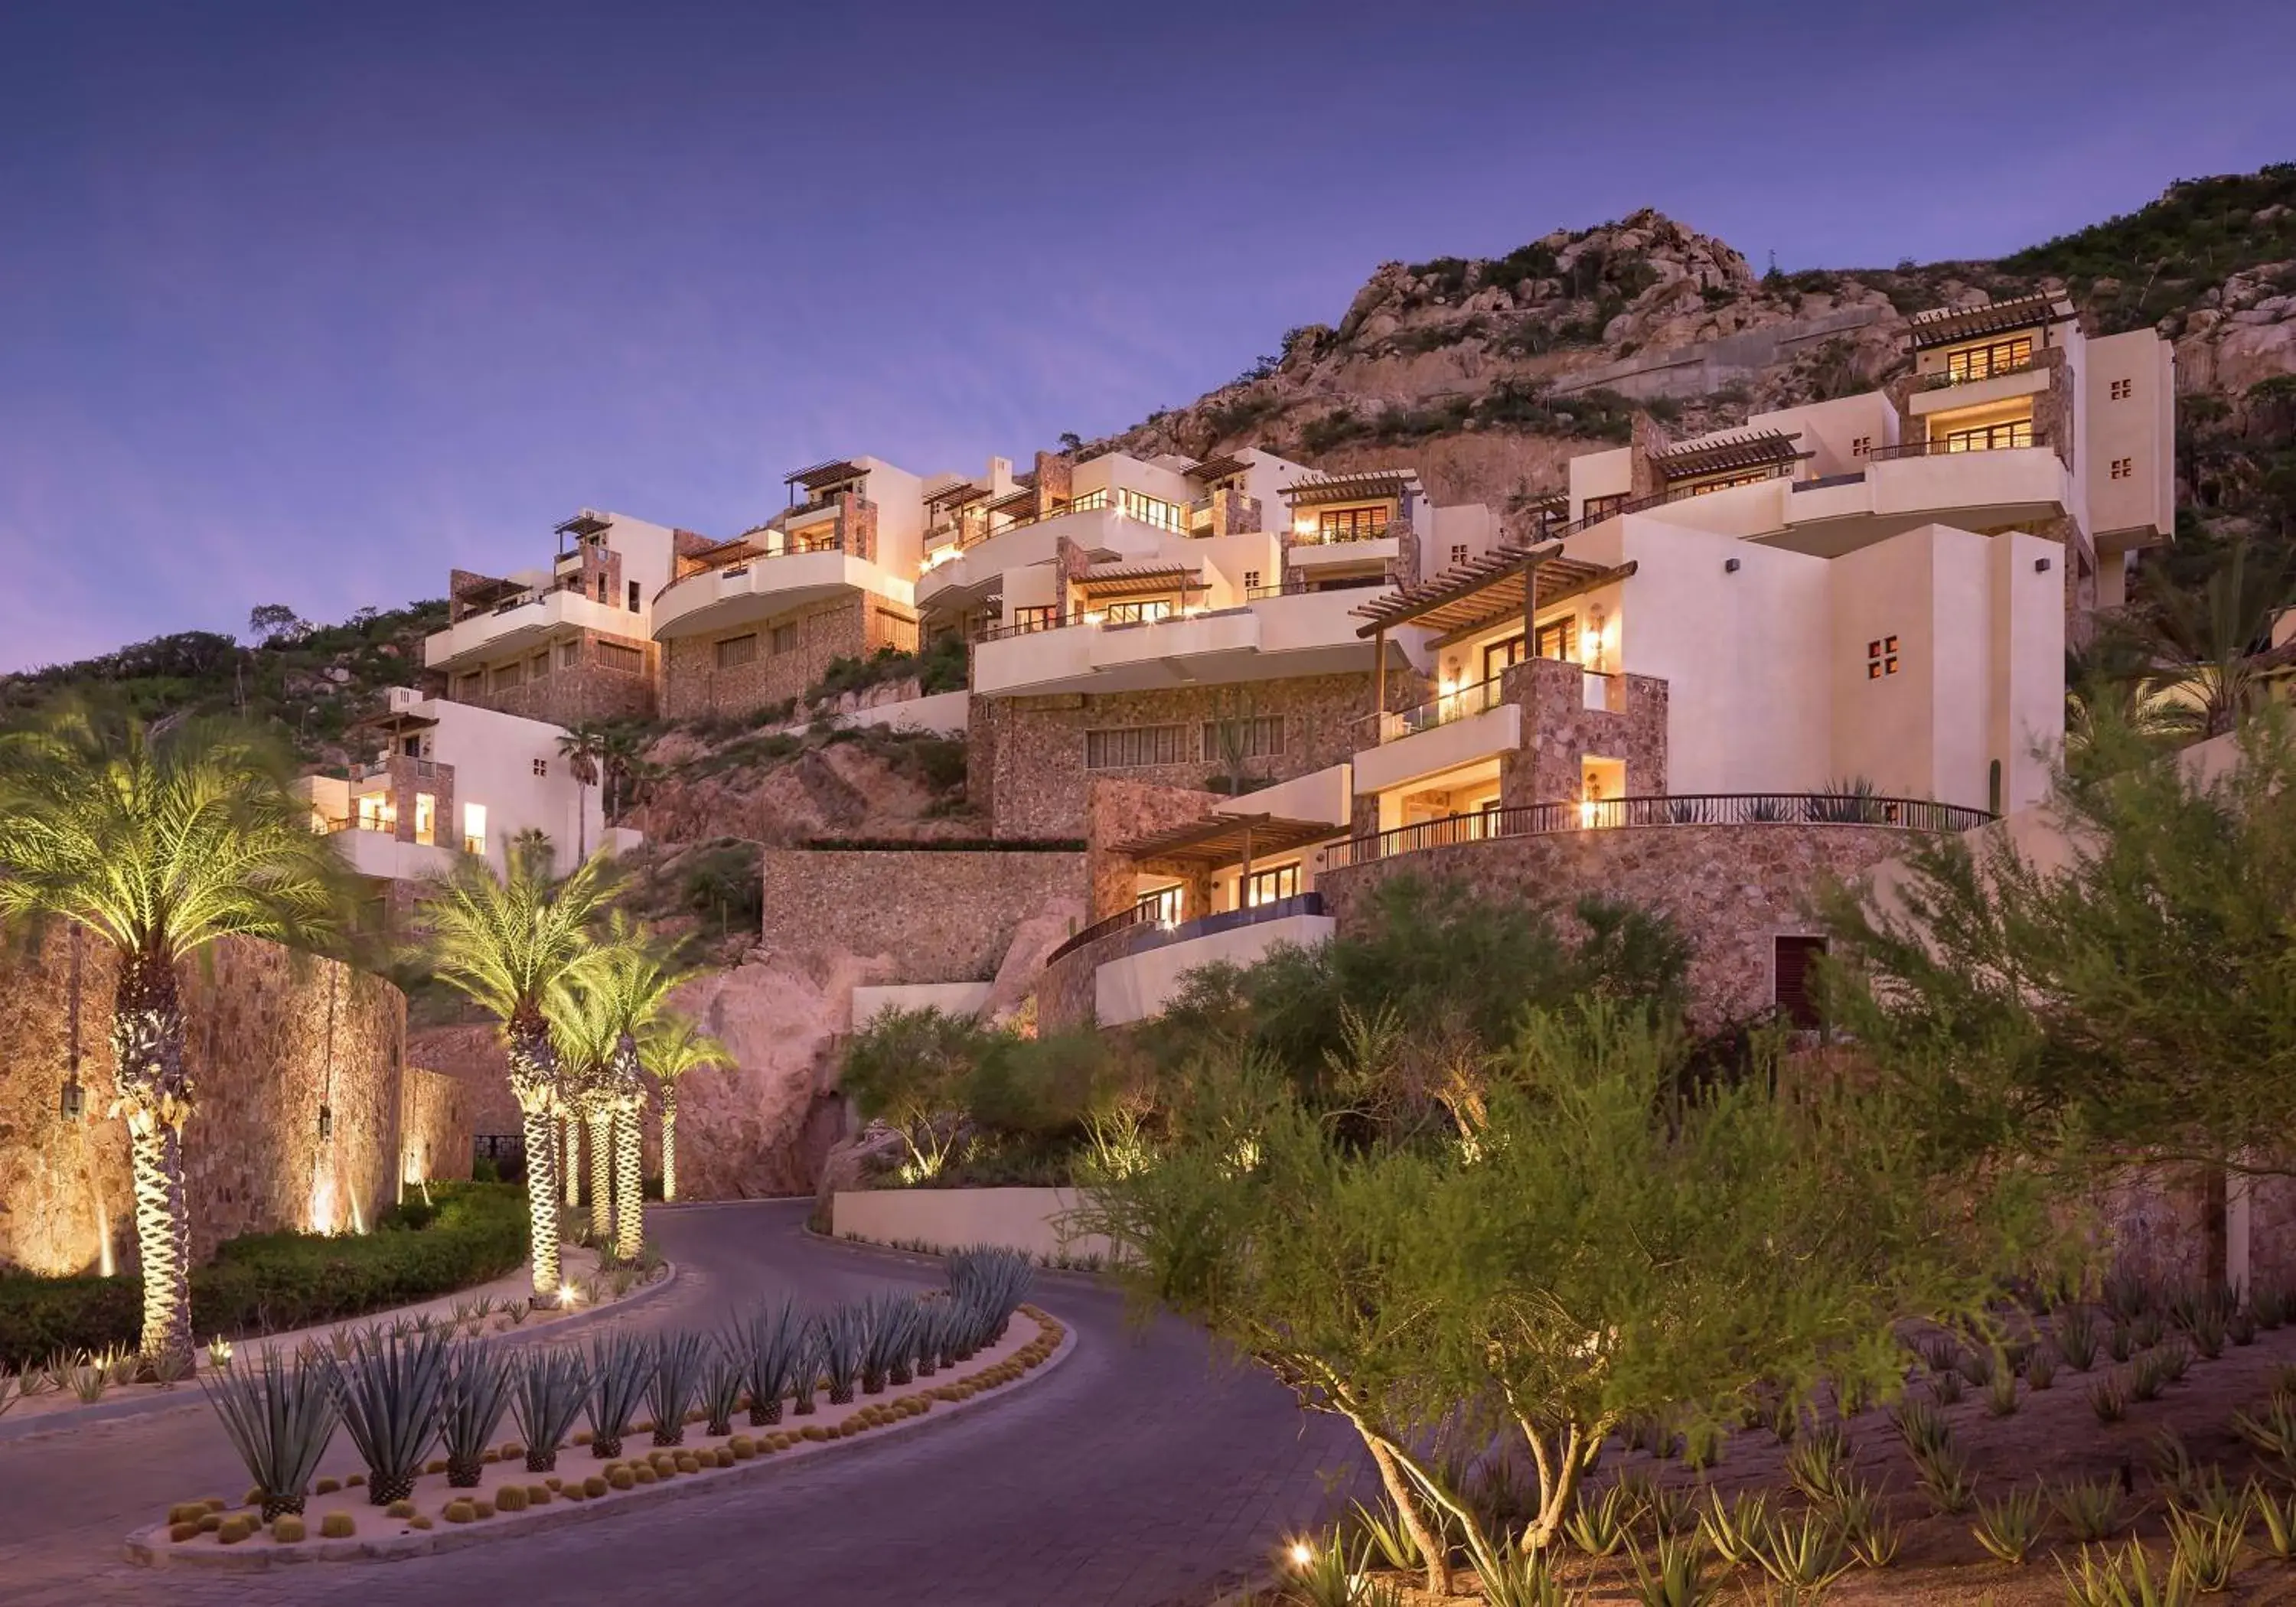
(1730, 889)
(270, 1036)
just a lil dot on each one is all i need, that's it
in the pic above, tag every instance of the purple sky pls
(303, 308)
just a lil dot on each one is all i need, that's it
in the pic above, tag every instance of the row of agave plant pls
(403, 1393)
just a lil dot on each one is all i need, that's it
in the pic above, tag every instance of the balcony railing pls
(1945, 446)
(1680, 809)
(1154, 933)
(1454, 705)
(1339, 537)
(1945, 379)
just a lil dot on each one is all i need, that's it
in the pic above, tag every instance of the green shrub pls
(269, 1283)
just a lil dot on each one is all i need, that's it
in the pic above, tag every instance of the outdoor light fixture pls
(1729, 566)
(1302, 1553)
(327, 1123)
(74, 1101)
(2040, 565)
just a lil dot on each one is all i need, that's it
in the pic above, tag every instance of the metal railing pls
(1344, 537)
(1945, 446)
(1454, 705)
(1945, 378)
(1154, 933)
(1679, 810)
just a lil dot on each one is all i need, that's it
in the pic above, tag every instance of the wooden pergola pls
(1514, 579)
(1217, 841)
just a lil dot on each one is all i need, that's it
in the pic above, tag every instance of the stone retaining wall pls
(1026, 1220)
(936, 916)
(434, 1128)
(262, 1058)
(1731, 888)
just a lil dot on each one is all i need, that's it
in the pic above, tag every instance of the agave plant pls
(998, 1278)
(2090, 1509)
(891, 1338)
(548, 1391)
(1802, 1552)
(671, 1385)
(769, 1344)
(2010, 1527)
(805, 1367)
(1598, 1524)
(280, 1417)
(1674, 1576)
(470, 1409)
(844, 1338)
(723, 1372)
(932, 1333)
(621, 1370)
(2077, 1339)
(391, 1390)
(1735, 1529)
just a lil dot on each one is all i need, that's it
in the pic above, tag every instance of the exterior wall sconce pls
(74, 1101)
(1729, 566)
(2040, 565)
(326, 1122)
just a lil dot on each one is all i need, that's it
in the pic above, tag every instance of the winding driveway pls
(1140, 1472)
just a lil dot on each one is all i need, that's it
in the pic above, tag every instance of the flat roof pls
(1216, 841)
(1488, 588)
(1348, 488)
(1944, 326)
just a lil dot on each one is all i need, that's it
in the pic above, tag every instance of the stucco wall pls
(1731, 890)
(257, 1044)
(1027, 758)
(1025, 1219)
(935, 916)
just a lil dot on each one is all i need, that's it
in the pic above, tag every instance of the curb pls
(143, 1551)
(188, 1394)
(1087, 1280)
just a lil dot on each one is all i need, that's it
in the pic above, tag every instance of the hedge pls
(270, 1282)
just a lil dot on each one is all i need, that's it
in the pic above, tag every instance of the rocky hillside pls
(1487, 374)
(310, 682)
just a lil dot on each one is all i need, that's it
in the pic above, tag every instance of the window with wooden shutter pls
(1795, 986)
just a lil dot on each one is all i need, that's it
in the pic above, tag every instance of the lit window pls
(1162, 905)
(1983, 361)
(1601, 507)
(1042, 617)
(542, 766)
(1989, 437)
(426, 817)
(1268, 887)
(2122, 390)
(1352, 524)
(2123, 467)
(633, 596)
(1140, 611)
(474, 826)
(1880, 658)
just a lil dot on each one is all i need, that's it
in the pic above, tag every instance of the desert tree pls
(1619, 1242)
(909, 1069)
(160, 844)
(506, 942)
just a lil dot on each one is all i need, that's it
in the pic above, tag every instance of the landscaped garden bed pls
(681, 1410)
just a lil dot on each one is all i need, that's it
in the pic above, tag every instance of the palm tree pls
(621, 757)
(671, 1046)
(583, 1033)
(160, 844)
(508, 943)
(617, 997)
(2201, 649)
(582, 746)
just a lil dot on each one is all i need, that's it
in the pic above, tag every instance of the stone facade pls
(1054, 482)
(1116, 811)
(1559, 731)
(1730, 889)
(269, 1039)
(1067, 992)
(854, 626)
(1236, 514)
(933, 916)
(612, 677)
(1025, 763)
(434, 1128)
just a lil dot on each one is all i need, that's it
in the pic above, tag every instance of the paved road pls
(1140, 1472)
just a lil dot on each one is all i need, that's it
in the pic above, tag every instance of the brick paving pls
(1142, 1472)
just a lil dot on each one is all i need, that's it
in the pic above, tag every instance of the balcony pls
(1096, 528)
(522, 620)
(773, 582)
(1289, 634)
(1153, 960)
(1681, 810)
(1314, 551)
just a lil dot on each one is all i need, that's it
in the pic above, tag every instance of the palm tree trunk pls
(573, 1161)
(630, 1182)
(669, 1143)
(147, 1044)
(534, 1082)
(601, 1178)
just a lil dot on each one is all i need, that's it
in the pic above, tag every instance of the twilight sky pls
(308, 303)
